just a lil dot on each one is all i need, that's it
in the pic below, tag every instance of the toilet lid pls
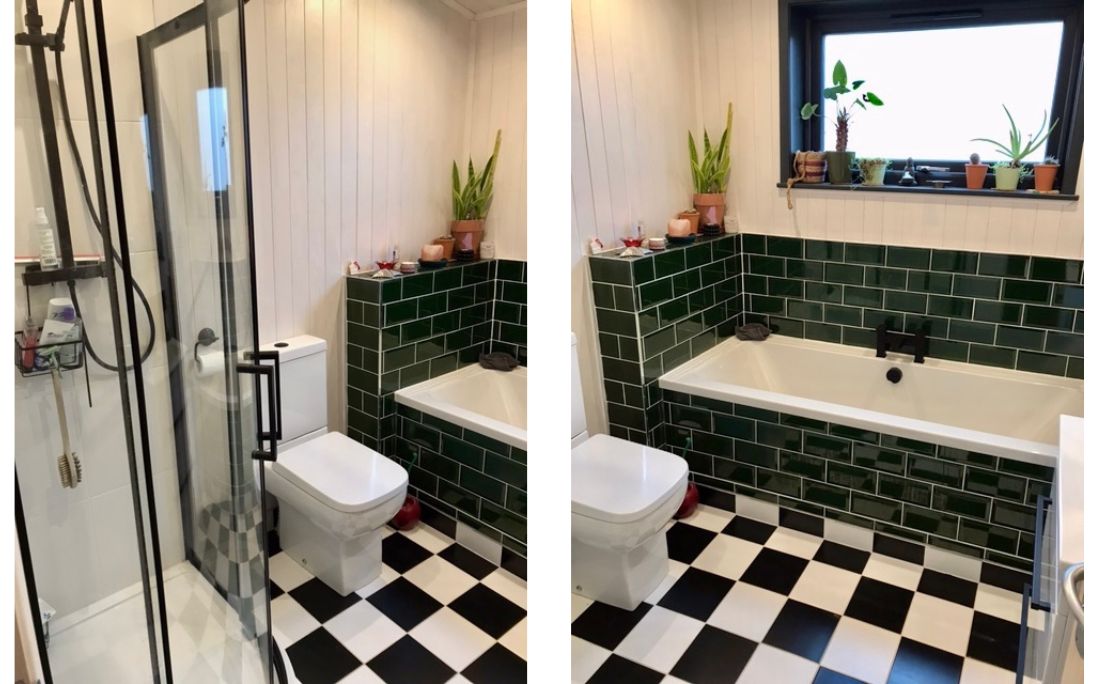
(341, 473)
(619, 481)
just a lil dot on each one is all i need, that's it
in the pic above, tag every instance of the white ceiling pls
(482, 6)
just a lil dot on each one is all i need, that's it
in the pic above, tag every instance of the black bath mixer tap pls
(887, 340)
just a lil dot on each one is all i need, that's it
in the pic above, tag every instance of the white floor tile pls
(998, 602)
(458, 679)
(579, 604)
(675, 569)
(441, 579)
(659, 639)
(429, 537)
(727, 556)
(585, 658)
(794, 542)
(861, 650)
(954, 564)
(756, 509)
(977, 672)
(709, 518)
(452, 638)
(939, 623)
(362, 675)
(826, 586)
(286, 572)
(507, 585)
(364, 630)
(768, 665)
(515, 639)
(849, 535)
(387, 575)
(748, 611)
(290, 621)
(893, 571)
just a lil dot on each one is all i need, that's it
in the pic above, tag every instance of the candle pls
(679, 227)
(431, 252)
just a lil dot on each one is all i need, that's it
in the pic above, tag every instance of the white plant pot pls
(1007, 177)
(873, 174)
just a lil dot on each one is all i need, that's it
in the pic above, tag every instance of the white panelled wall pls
(645, 71)
(357, 109)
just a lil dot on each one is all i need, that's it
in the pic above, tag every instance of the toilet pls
(623, 495)
(335, 495)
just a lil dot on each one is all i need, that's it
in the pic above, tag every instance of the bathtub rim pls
(1012, 448)
(413, 397)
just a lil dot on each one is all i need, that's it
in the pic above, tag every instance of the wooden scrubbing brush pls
(68, 465)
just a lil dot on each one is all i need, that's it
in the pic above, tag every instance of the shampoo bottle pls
(47, 245)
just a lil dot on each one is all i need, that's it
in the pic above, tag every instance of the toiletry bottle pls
(47, 245)
(29, 343)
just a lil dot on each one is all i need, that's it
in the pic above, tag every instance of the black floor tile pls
(880, 604)
(686, 542)
(829, 677)
(274, 590)
(912, 552)
(803, 522)
(403, 554)
(948, 588)
(714, 657)
(1004, 578)
(802, 629)
(404, 603)
(917, 663)
(775, 571)
(321, 600)
(319, 658)
(467, 560)
(697, 593)
(498, 665)
(407, 662)
(842, 556)
(994, 641)
(747, 528)
(491, 612)
(513, 563)
(606, 625)
(617, 670)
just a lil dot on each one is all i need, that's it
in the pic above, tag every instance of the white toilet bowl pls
(335, 495)
(623, 494)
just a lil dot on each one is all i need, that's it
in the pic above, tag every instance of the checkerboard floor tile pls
(438, 613)
(750, 602)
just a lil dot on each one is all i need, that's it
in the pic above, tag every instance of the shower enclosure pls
(153, 567)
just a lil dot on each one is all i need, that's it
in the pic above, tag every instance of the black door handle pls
(274, 402)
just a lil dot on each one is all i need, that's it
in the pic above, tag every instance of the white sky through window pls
(943, 87)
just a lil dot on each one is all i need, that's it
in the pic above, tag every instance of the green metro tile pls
(999, 357)
(824, 494)
(933, 522)
(968, 457)
(824, 292)
(1003, 265)
(506, 470)
(801, 464)
(876, 507)
(803, 423)
(980, 287)
(733, 426)
(805, 270)
(954, 307)
(858, 434)
(1058, 270)
(1048, 317)
(843, 315)
(997, 312)
(961, 503)
(698, 254)
(879, 458)
(779, 436)
(755, 454)
(933, 470)
(610, 270)
(785, 287)
(766, 265)
(733, 471)
(767, 305)
(954, 261)
(784, 246)
(714, 445)
(1027, 291)
(889, 278)
(861, 296)
(668, 263)
(1036, 362)
(1075, 368)
(864, 254)
(908, 257)
(642, 270)
(822, 250)
(834, 448)
(780, 483)
(949, 350)
(907, 444)
(755, 413)
(753, 244)
(851, 477)
(1070, 344)
(1070, 296)
(847, 274)
(906, 301)
(969, 331)
(901, 489)
(931, 282)
(363, 290)
(786, 326)
(1013, 515)
(809, 311)
(1032, 470)
(823, 332)
(504, 520)
(988, 536)
(1020, 338)
(858, 337)
(416, 285)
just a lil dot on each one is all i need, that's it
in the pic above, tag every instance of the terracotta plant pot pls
(1007, 177)
(711, 207)
(975, 176)
(693, 216)
(840, 167)
(811, 166)
(467, 235)
(448, 243)
(1044, 177)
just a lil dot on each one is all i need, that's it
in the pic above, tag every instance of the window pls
(944, 70)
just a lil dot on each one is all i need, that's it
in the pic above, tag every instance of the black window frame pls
(804, 23)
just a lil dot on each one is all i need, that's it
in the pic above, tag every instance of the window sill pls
(927, 190)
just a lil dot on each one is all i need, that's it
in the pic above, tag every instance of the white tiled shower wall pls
(645, 71)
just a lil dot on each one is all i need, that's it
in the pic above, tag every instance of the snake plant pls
(711, 173)
(1017, 149)
(472, 200)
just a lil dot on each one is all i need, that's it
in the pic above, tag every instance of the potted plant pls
(1007, 174)
(976, 172)
(470, 204)
(710, 174)
(1045, 174)
(873, 169)
(840, 161)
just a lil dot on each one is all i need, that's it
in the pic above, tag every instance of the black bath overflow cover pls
(894, 375)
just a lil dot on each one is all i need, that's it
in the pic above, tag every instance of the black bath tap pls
(887, 340)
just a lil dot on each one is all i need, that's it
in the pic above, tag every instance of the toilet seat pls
(619, 482)
(341, 473)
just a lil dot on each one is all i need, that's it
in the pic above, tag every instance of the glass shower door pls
(196, 130)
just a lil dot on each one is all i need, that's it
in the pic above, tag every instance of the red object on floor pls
(408, 516)
(691, 500)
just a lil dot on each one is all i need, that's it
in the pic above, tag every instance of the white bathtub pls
(990, 410)
(492, 403)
